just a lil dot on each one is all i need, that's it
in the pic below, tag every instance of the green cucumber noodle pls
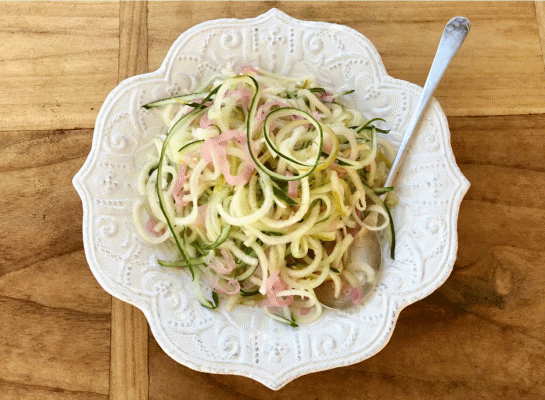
(261, 183)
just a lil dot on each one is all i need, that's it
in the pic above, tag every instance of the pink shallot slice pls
(201, 219)
(293, 186)
(243, 93)
(150, 226)
(219, 268)
(356, 295)
(327, 97)
(229, 261)
(264, 110)
(177, 193)
(215, 148)
(274, 285)
(225, 266)
(205, 122)
(220, 289)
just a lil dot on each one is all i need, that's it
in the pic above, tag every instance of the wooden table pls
(480, 336)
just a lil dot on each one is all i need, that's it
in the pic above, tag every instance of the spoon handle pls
(454, 34)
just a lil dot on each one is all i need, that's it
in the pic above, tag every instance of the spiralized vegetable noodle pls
(262, 183)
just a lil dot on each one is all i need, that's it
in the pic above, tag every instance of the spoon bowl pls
(365, 250)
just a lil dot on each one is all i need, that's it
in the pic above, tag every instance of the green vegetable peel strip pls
(160, 194)
(266, 188)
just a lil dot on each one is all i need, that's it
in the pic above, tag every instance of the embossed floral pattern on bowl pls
(245, 342)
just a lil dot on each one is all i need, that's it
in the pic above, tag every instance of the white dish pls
(246, 342)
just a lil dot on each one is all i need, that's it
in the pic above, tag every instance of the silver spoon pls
(454, 34)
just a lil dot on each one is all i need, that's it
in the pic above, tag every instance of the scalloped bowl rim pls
(162, 73)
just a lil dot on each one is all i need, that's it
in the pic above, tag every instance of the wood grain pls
(129, 357)
(59, 61)
(540, 17)
(129, 353)
(133, 38)
(55, 325)
(503, 158)
(53, 233)
(481, 335)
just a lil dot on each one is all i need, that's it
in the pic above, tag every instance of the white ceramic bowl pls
(245, 342)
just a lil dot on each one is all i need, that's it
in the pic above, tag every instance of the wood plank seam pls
(129, 330)
(26, 386)
(48, 308)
